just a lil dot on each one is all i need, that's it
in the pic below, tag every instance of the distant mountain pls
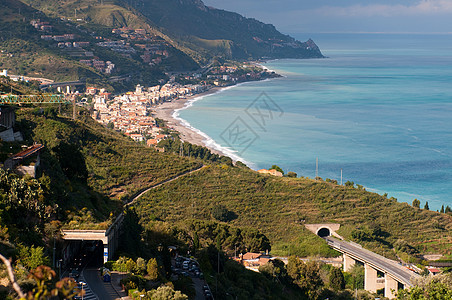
(200, 31)
(221, 32)
(179, 35)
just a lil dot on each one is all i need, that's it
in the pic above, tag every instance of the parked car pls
(74, 274)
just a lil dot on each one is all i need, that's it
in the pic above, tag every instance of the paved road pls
(103, 290)
(89, 294)
(377, 261)
(57, 84)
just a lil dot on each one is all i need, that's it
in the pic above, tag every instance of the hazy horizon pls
(348, 16)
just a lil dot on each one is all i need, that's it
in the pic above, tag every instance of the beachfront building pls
(131, 112)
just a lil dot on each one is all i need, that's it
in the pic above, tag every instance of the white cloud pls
(424, 7)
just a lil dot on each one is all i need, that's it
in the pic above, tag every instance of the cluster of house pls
(106, 67)
(73, 48)
(118, 46)
(224, 69)
(223, 75)
(152, 48)
(252, 261)
(43, 26)
(61, 38)
(131, 112)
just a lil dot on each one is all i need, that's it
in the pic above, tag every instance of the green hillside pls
(199, 31)
(242, 38)
(280, 207)
(25, 52)
(87, 165)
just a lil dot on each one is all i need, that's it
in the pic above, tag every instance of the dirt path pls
(144, 191)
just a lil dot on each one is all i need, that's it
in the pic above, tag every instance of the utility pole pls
(54, 246)
(341, 176)
(73, 109)
(316, 168)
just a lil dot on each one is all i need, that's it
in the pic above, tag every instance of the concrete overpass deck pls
(378, 262)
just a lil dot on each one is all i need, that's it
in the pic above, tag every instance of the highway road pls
(378, 262)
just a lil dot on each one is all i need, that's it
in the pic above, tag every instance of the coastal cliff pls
(224, 33)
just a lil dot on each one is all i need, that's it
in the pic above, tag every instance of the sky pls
(346, 16)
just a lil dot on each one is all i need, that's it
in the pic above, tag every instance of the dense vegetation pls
(89, 170)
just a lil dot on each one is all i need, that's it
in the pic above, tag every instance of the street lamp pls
(60, 262)
(82, 284)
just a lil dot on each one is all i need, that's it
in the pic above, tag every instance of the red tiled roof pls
(250, 255)
(28, 152)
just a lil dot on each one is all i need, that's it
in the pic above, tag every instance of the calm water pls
(379, 108)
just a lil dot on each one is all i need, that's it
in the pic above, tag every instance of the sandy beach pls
(165, 112)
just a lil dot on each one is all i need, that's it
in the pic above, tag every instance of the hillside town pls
(131, 112)
(127, 42)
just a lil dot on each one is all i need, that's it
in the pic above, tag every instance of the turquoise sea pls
(379, 108)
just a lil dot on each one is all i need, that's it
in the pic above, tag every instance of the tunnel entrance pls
(323, 232)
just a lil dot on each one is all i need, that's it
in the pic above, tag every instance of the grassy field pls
(280, 207)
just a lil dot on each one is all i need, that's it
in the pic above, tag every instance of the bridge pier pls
(370, 278)
(390, 284)
(348, 262)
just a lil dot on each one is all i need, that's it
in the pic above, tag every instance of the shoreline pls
(167, 110)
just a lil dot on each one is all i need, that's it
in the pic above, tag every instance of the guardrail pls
(33, 99)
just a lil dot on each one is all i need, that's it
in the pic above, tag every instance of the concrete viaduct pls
(109, 237)
(379, 272)
(62, 85)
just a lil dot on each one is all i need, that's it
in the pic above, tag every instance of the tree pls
(141, 266)
(153, 269)
(314, 283)
(295, 270)
(255, 241)
(416, 203)
(32, 257)
(437, 287)
(442, 209)
(448, 209)
(292, 175)
(274, 269)
(165, 293)
(46, 287)
(357, 273)
(336, 279)
(130, 265)
(275, 167)
(349, 184)
(426, 206)
(221, 213)
(195, 241)
(306, 276)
